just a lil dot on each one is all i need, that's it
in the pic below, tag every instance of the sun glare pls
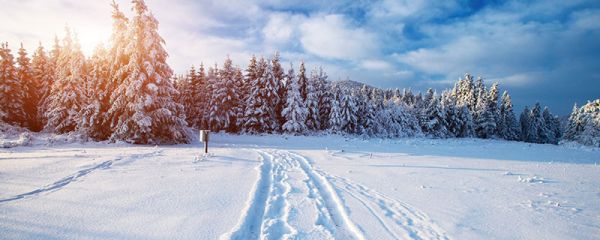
(92, 36)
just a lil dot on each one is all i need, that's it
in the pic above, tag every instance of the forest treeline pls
(127, 92)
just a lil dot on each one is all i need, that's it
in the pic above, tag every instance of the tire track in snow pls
(271, 212)
(400, 220)
(73, 177)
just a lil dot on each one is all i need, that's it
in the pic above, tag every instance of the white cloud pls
(375, 64)
(330, 36)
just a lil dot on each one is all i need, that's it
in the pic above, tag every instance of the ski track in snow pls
(291, 200)
(73, 177)
(399, 220)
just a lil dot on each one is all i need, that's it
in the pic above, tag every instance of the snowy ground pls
(326, 187)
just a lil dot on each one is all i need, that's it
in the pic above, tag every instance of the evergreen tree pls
(325, 94)
(12, 94)
(93, 116)
(335, 115)
(575, 125)
(303, 81)
(485, 124)
(143, 105)
(552, 127)
(41, 70)
(67, 97)
(508, 127)
(224, 101)
(30, 86)
(492, 102)
(348, 110)
(260, 116)
(295, 110)
(279, 80)
(434, 123)
(312, 103)
(525, 122)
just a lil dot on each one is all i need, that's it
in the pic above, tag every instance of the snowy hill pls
(319, 187)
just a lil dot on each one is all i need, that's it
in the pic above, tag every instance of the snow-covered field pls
(326, 187)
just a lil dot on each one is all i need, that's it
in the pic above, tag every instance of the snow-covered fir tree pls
(508, 127)
(348, 110)
(434, 119)
(12, 92)
(30, 87)
(575, 124)
(534, 128)
(335, 113)
(485, 123)
(303, 81)
(589, 118)
(224, 101)
(144, 103)
(93, 116)
(41, 71)
(553, 127)
(492, 102)
(313, 122)
(279, 78)
(67, 97)
(325, 94)
(295, 110)
(260, 116)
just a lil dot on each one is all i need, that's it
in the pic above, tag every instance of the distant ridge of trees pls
(127, 92)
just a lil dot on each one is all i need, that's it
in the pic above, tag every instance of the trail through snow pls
(75, 176)
(293, 200)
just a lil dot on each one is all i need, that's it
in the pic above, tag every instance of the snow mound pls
(534, 179)
(12, 136)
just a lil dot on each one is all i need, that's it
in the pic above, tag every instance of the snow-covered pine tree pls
(312, 103)
(467, 126)
(53, 57)
(492, 102)
(224, 101)
(553, 126)
(365, 112)
(212, 78)
(270, 93)
(589, 115)
(575, 126)
(12, 92)
(67, 96)
(303, 81)
(479, 90)
(117, 59)
(240, 87)
(348, 110)
(464, 92)
(434, 123)
(485, 124)
(30, 86)
(93, 115)
(42, 74)
(538, 126)
(335, 114)
(453, 122)
(295, 110)
(144, 105)
(279, 77)
(325, 96)
(525, 122)
(508, 127)
(259, 115)
(250, 77)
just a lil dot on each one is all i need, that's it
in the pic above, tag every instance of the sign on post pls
(204, 139)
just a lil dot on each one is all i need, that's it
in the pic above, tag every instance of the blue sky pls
(546, 51)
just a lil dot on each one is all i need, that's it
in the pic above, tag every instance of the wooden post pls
(204, 138)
